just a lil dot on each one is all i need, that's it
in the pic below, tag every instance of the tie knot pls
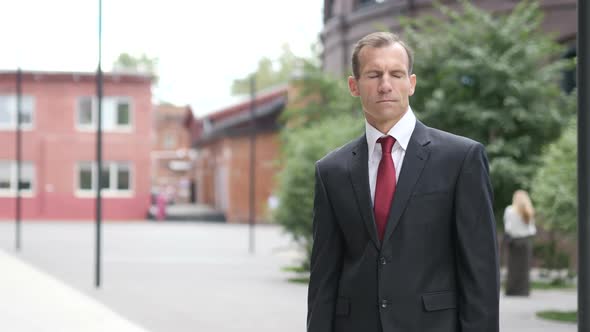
(387, 143)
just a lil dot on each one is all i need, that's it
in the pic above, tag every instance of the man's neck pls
(383, 126)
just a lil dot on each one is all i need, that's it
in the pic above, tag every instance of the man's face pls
(384, 84)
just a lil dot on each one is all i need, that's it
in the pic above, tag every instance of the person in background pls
(519, 226)
(161, 202)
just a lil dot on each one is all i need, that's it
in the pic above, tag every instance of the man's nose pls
(385, 86)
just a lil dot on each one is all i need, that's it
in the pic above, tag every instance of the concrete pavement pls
(177, 277)
(517, 314)
(33, 301)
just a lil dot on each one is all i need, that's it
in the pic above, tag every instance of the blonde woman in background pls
(519, 225)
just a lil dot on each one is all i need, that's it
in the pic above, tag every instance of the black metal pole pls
(252, 219)
(583, 68)
(19, 92)
(99, 86)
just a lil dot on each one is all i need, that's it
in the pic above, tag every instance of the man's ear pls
(412, 84)
(353, 86)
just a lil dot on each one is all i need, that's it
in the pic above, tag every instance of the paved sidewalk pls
(517, 314)
(178, 277)
(33, 301)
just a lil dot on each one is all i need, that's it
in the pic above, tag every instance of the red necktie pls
(385, 186)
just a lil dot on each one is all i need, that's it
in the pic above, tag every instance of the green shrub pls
(302, 147)
(550, 256)
(554, 190)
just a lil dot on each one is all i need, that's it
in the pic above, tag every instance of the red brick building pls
(222, 141)
(172, 156)
(59, 173)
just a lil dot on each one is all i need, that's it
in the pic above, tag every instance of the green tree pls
(266, 73)
(554, 189)
(323, 106)
(302, 148)
(141, 64)
(320, 97)
(554, 193)
(494, 79)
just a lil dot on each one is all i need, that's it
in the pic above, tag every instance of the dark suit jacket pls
(437, 268)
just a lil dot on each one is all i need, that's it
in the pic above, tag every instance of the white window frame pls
(11, 192)
(113, 174)
(94, 114)
(11, 126)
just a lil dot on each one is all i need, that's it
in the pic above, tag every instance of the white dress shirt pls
(515, 226)
(402, 131)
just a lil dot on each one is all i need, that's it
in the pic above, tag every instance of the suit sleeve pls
(476, 248)
(326, 261)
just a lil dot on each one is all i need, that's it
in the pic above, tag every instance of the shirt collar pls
(402, 131)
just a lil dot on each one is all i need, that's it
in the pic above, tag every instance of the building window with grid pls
(116, 113)
(8, 177)
(364, 3)
(116, 178)
(8, 106)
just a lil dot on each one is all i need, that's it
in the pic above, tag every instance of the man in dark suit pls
(404, 233)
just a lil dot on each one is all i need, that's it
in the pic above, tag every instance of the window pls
(123, 113)
(328, 10)
(26, 177)
(5, 175)
(105, 179)
(8, 170)
(115, 177)
(85, 176)
(169, 141)
(8, 111)
(123, 177)
(116, 113)
(363, 3)
(85, 114)
(569, 79)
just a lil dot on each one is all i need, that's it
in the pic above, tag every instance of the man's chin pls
(383, 118)
(390, 113)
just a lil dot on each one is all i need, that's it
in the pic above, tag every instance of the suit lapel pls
(414, 161)
(359, 176)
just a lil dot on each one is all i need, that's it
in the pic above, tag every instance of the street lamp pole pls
(99, 93)
(252, 217)
(583, 67)
(19, 87)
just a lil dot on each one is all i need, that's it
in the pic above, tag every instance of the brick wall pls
(55, 147)
(223, 175)
(267, 150)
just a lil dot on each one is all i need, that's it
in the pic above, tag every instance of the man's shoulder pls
(341, 154)
(451, 149)
(447, 140)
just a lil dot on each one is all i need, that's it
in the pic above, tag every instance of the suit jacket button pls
(384, 304)
(382, 260)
